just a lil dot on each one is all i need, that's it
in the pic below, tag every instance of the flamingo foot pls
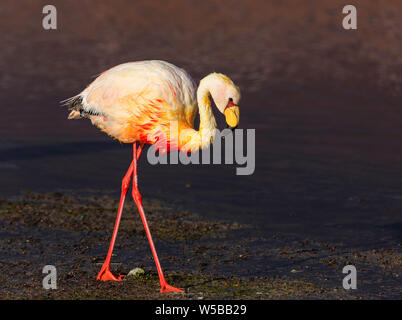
(165, 288)
(106, 275)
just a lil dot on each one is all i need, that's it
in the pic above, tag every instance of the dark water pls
(320, 170)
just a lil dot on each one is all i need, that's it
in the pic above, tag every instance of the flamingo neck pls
(207, 119)
(202, 138)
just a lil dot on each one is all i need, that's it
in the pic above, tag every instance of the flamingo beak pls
(232, 115)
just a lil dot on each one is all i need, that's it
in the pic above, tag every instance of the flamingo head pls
(226, 96)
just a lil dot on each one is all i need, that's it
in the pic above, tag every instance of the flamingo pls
(136, 103)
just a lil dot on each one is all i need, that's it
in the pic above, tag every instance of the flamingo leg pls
(105, 274)
(165, 287)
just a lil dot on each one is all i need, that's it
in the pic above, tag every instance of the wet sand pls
(326, 192)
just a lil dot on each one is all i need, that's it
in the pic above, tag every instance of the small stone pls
(135, 272)
(295, 271)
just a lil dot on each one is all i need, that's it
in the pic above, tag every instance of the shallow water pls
(316, 173)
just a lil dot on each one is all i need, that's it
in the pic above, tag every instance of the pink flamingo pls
(136, 103)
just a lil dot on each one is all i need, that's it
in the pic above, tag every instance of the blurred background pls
(325, 103)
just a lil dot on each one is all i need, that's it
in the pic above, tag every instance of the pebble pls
(135, 272)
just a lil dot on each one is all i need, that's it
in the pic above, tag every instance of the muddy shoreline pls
(209, 259)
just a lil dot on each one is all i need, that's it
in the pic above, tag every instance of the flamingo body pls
(137, 101)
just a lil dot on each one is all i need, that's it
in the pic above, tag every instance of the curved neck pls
(207, 119)
(201, 139)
